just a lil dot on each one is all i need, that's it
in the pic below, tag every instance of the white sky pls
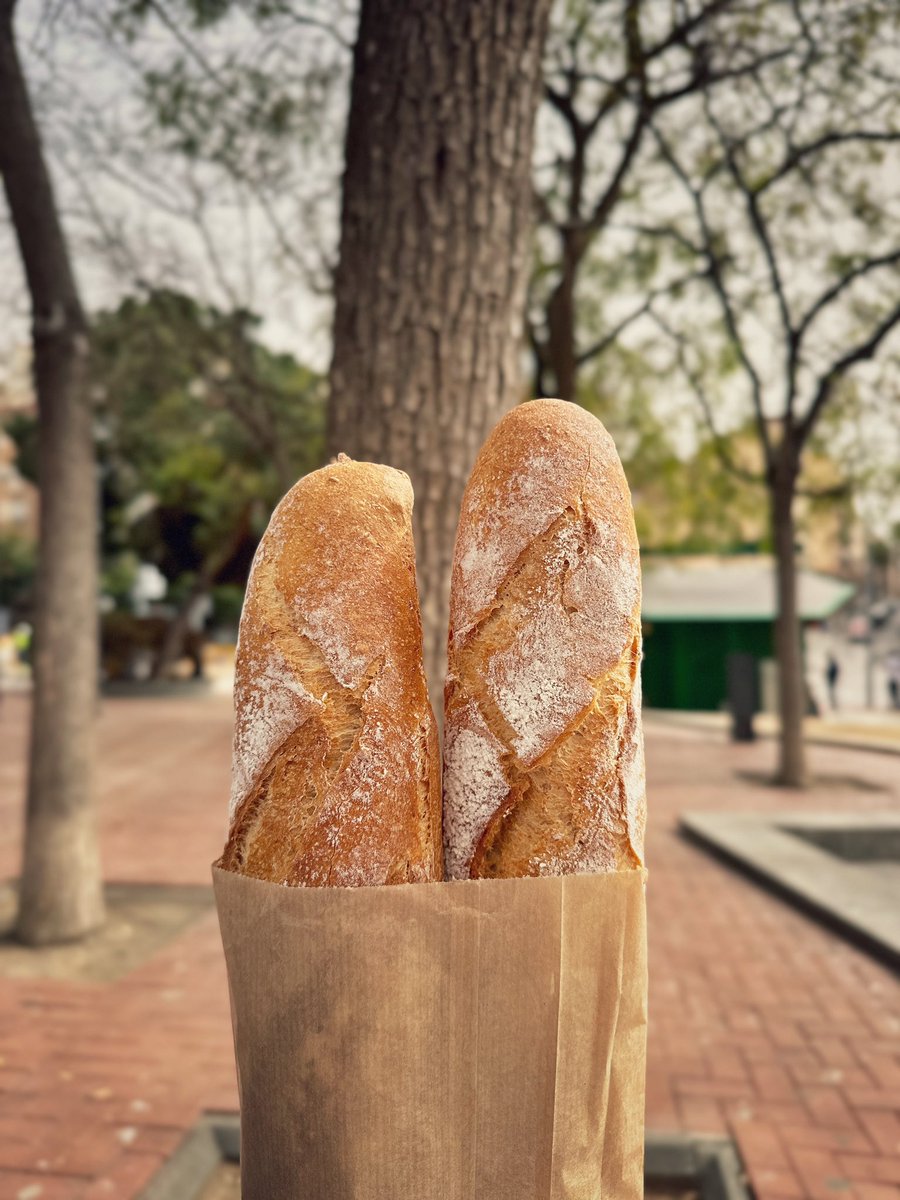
(132, 210)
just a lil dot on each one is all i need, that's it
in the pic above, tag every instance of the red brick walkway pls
(762, 1023)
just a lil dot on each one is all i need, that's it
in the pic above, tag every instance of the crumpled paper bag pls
(477, 1040)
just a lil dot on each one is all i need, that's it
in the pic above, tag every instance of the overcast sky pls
(135, 212)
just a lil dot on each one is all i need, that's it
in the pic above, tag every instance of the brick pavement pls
(98, 1083)
(762, 1024)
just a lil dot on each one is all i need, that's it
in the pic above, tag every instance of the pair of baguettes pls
(336, 773)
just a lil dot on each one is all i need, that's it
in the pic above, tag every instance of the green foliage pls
(684, 501)
(689, 504)
(22, 429)
(200, 429)
(240, 84)
(18, 561)
(197, 120)
(228, 600)
(130, 16)
(118, 576)
(207, 12)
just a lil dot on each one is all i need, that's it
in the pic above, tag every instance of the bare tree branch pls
(608, 200)
(695, 382)
(761, 231)
(662, 231)
(861, 352)
(716, 276)
(678, 35)
(797, 154)
(705, 79)
(602, 344)
(832, 293)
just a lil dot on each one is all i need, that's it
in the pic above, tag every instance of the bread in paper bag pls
(336, 770)
(543, 751)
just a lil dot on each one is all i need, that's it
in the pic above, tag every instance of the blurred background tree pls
(61, 890)
(723, 173)
(610, 69)
(17, 567)
(200, 430)
(804, 143)
(204, 429)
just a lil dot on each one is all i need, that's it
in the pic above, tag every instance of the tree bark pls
(435, 248)
(62, 892)
(560, 347)
(788, 647)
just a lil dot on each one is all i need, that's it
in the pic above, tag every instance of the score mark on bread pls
(335, 766)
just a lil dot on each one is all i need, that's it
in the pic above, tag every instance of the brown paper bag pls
(481, 1040)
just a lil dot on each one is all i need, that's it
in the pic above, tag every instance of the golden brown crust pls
(336, 773)
(543, 758)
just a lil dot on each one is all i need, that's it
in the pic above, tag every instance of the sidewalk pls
(763, 1024)
(98, 1083)
(878, 730)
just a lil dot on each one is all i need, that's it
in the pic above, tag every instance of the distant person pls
(893, 677)
(832, 674)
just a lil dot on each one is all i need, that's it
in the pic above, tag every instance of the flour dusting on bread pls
(326, 627)
(336, 774)
(544, 652)
(475, 784)
(275, 703)
(493, 535)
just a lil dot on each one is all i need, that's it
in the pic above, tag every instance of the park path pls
(762, 1024)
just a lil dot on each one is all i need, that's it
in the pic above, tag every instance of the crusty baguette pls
(336, 768)
(543, 758)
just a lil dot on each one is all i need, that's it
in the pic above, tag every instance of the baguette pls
(543, 759)
(336, 769)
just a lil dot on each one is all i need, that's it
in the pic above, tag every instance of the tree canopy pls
(201, 428)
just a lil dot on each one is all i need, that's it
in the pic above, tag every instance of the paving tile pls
(760, 1142)
(883, 1127)
(863, 1098)
(829, 1108)
(871, 1168)
(125, 1178)
(821, 1173)
(763, 1024)
(770, 1183)
(817, 1137)
(875, 1191)
(16, 1185)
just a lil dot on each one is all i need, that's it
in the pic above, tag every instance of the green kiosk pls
(698, 610)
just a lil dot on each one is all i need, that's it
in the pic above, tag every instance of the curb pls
(675, 1159)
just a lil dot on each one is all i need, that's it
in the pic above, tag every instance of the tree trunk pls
(62, 892)
(435, 247)
(178, 629)
(788, 649)
(560, 345)
(210, 569)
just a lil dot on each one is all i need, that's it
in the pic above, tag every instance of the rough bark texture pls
(61, 894)
(561, 355)
(435, 244)
(788, 647)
